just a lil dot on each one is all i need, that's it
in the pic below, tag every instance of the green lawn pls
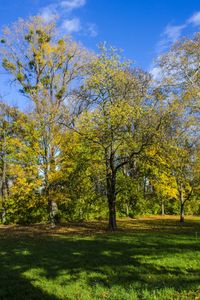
(145, 259)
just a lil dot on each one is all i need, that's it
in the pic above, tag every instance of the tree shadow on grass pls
(14, 286)
(170, 225)
(107, 261)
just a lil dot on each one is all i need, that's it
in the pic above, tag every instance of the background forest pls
(102, 138)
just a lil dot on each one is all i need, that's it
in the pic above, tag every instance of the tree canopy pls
(102, 138)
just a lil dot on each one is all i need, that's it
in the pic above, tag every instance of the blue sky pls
(142, 28)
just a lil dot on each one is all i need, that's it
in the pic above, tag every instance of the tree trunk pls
(111, 189)
(52, 206)
(112, 226)
(127, 209)
(163, 208)
(3, 197)
(51, 167)
(144, 187)
(182, 216)
(111, 196)
(53, 210)
(3, 182)
(3, 215)
(182, 202)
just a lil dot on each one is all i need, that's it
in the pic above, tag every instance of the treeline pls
(103, 138)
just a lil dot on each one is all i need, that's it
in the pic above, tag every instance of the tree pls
(181, 78)
(181, 71)
(15, 152)
(6, 133)
(45, 66)
(120, 121)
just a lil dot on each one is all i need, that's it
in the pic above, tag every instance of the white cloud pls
(173, 32)
(71, 25)
(49, 13)
(169, 36)
(63, 9)
(195, 19)
(72, 4)
(92, 29)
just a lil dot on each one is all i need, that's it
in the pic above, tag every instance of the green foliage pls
(102, 138)
(153, 259)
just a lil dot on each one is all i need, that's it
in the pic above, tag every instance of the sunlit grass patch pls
(129, 264)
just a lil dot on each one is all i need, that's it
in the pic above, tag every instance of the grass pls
(149, 258)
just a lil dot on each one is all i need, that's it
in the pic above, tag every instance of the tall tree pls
(181, 79)
(5, 134)
(45, 66)
(121, 120)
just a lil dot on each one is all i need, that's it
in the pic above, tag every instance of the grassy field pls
(148, 258)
